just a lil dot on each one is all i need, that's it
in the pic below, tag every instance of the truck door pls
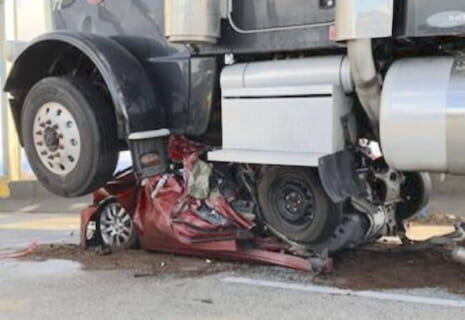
(260, 15)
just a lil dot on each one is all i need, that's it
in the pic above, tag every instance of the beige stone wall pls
(23, 21)
(2, 27)
(4, 192)
(31, 18)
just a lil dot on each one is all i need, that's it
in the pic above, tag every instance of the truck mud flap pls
(339, 177)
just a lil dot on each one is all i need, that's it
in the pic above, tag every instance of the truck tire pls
(69, 135)
(295, 205)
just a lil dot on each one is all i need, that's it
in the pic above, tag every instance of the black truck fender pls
(137, 105)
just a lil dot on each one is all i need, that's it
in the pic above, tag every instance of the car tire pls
(295, 206)
(415, 192)
(69, 134)
(116, 228)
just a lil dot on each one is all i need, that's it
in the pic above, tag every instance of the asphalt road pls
(58, 289)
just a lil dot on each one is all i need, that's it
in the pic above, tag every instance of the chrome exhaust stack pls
(365, 77)
(357, 24)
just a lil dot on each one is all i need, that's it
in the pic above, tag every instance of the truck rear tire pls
(69, 135)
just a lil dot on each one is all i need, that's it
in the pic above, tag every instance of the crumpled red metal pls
(167, 218)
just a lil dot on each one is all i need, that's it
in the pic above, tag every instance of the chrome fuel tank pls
(423, 115)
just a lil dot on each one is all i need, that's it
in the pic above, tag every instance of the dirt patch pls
(141, 262)
(358, 270)
(365, 270)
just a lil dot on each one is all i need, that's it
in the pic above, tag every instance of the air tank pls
(193, 21)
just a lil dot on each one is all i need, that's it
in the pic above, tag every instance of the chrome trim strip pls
(145, 135)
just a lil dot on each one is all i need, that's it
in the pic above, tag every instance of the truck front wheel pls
(69, 135)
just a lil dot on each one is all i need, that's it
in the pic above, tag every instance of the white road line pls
(343, 292)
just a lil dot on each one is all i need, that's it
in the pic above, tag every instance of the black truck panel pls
(246, 34)
(426, 18)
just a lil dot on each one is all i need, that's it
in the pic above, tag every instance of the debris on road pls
(368, 269)
(437, 218)
(15, 255)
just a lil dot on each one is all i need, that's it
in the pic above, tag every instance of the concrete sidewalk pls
(31, 197)
(18, 230)
(448, 196)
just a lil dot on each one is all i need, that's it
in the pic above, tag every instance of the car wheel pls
(69, 135)
(294, 204)
(415, 192)
(116, 227)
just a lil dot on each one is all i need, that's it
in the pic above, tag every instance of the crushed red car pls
(191, 210)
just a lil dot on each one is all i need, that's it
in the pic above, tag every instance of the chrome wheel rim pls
(116, 226)
(57, 139)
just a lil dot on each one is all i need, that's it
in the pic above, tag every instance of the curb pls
(4, 190)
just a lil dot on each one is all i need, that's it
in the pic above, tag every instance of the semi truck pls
(328, 113)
